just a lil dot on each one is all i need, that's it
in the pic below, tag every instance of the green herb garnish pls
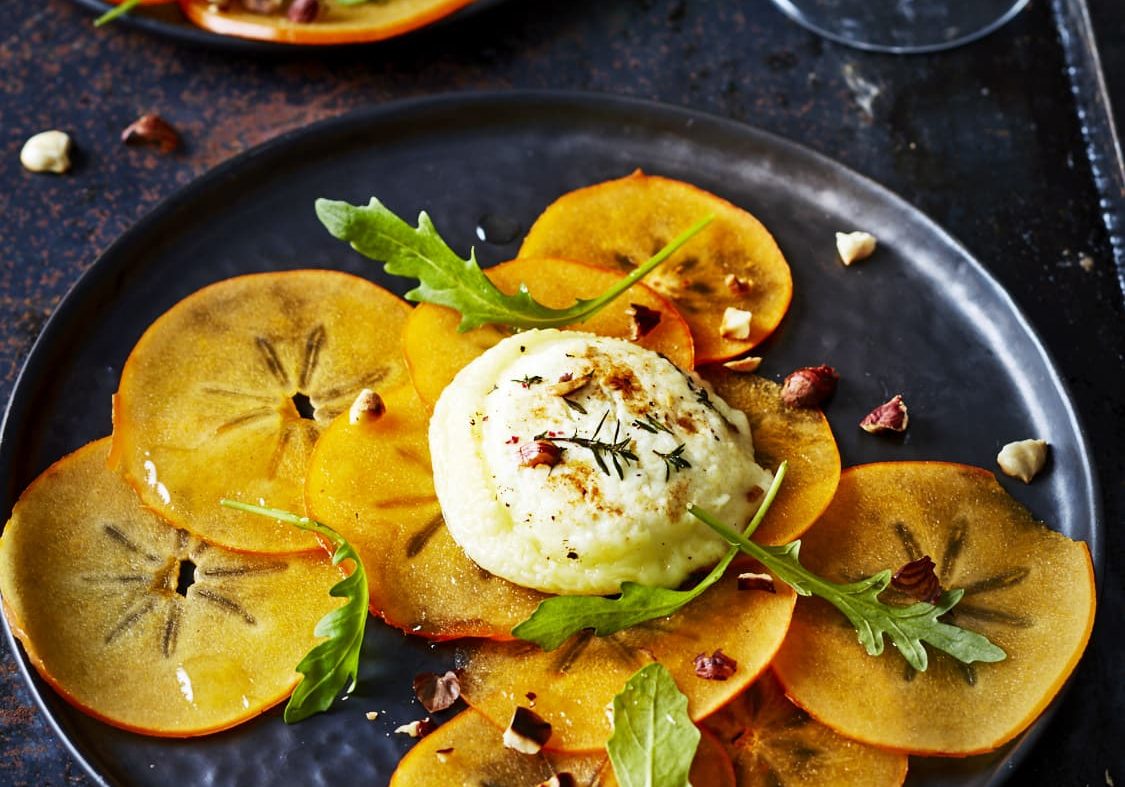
(908, 626)
(654, 740)
(446, 279)
(616, 449)
(119, 10)
(575, 406)
(558, 617)
(529, 380)
(650, 424)
(331, 666)
(673, 460)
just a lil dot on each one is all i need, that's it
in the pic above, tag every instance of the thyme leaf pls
(616, 449)
(673, 460)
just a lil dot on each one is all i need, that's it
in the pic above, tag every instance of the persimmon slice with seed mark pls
(338, 24)
(574, 684)
(772, 742)
(141, 625)
(435, 350)
(468, 749)
(226, 394)
(782, 433)
(1028, 589)
(734, 262)
(371, 482)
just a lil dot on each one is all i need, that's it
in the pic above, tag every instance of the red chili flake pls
(436, 692)
(512, 440)
(753, 581)
(918, 579)
(717, 666)
(540, 452)
(644, 320)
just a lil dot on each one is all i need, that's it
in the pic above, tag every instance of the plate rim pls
(140, 231)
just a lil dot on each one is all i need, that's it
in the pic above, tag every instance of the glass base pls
(902, 26)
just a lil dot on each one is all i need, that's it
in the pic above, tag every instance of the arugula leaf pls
(558, 617)
(447, 280)
(332, 665)
(654, 740)
(118, 10)
(908, 627)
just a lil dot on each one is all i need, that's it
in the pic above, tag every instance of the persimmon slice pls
(468, 749)
(1027, 588)
(371, 482)
(573, 685)
(772, 742)
(435, 350)
(227, 392)
(338, 24)
(733, 263)
(141, 625)
(782, 433)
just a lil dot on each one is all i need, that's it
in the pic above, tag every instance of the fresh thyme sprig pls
(650, 424)
(616, 449)
(673, 460)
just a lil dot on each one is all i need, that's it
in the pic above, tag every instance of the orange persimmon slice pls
(733, 263)
(227, 392)
(573, 685)
(1028, 589)
(773, 742)
(371, 482)
(468, 749)
(782, 433)
(435, 351)
(141, 625)
(338, 24)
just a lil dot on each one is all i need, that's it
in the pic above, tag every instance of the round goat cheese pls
(565, 462)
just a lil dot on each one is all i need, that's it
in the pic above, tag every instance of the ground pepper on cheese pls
(627, 441)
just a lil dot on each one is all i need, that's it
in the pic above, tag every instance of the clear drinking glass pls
(902, 26)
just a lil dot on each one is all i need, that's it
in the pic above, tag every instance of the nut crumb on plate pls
(854, 246)
(47, 151)
(1023, 459)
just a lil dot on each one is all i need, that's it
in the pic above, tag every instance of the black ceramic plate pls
(167, 21)
(921, 317)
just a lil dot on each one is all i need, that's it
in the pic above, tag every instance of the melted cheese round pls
(630, 440)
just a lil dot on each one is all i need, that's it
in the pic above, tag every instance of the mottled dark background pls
(988, 139)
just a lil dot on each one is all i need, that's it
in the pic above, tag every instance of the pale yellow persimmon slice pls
(142, 625)
(734, 263)
(371, 482)
(435, 350)
(469, 750)
(227, 392)
(573, 685)
(1028, 589)
(772, 742)
(782, 433)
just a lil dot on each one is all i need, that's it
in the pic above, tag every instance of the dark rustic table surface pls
(987, 139)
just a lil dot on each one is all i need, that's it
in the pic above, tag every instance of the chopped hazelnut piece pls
(890, 416)
(561, 779)
(810, 386)
(750, 580)
(854, 246)
(736, 324)
(303, 11)
(918, 580)
(443, 754)
(540, 452)
(1023, 459)
(416, 729)
(437, 692)
(738, 285)
(372, 715)
(643, 320)
(368, 406)
(151, 130)
(527, 732)
(568, 383)
(745, 365)
(717, 666)
(47, 151)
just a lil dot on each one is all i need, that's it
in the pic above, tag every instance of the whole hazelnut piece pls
(810, 386)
